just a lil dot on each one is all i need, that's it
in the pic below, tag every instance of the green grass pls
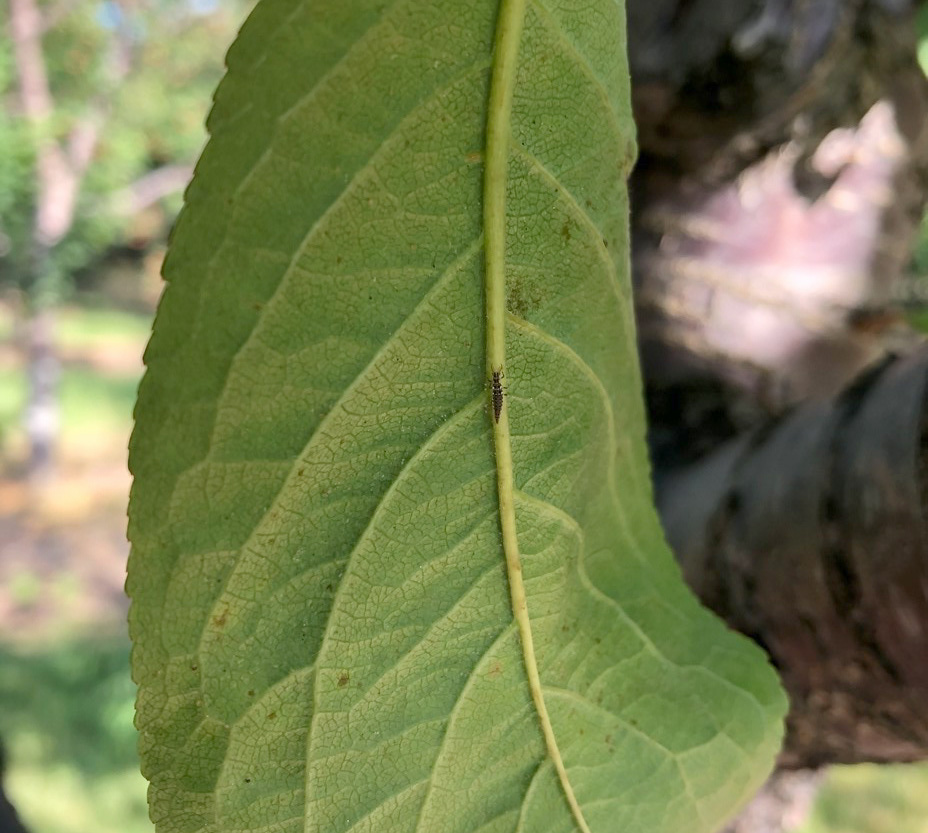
(12, 400)
(919, 320)
(872, 799)
(66, 720)
(7, 321)
(85, 327)
(93, 401)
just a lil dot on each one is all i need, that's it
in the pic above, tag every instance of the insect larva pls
(497, 394)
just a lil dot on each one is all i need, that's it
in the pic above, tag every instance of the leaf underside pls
(323, 633)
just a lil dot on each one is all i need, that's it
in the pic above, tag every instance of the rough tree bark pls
(784, 157)
(810, 535)
(782, 177)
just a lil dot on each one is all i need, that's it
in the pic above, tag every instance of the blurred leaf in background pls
(144, 71)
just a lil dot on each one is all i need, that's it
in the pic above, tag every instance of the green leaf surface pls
(323, 620)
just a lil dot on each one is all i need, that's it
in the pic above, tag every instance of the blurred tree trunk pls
(43, 370)
(811, 536)
(65, 138)
(60, 166)
(781, 182)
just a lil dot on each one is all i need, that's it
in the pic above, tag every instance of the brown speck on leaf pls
(272, 716)
(220, 621)
(343, 679)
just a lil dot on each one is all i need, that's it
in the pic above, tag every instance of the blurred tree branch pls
(781, 182)
(150, 188)
(58, 180)
(59, 167)
(810, 534)
(56, 13)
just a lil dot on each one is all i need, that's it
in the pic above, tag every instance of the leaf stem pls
(499, 122)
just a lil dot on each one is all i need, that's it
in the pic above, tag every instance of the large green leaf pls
(332, 528)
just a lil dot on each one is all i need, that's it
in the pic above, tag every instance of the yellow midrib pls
(502, 83)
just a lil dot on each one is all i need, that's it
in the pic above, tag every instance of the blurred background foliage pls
(148, 69)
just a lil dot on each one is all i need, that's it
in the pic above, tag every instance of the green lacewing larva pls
(497, 394)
